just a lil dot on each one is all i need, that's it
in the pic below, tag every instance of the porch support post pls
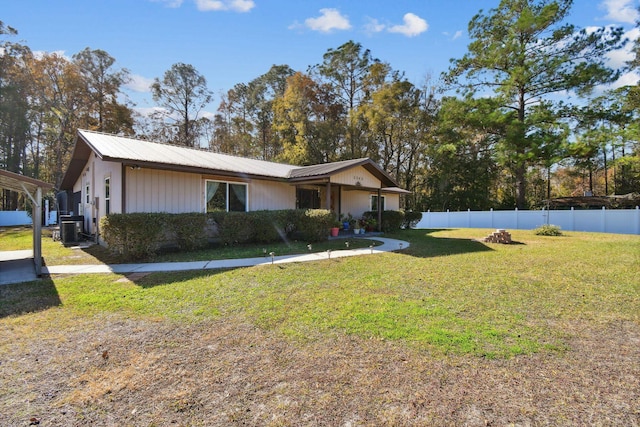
(36, 214)
(327, 196)
(379, 210)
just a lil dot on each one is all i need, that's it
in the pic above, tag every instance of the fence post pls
(448, 218)
(573, 219)
(516, 213)
(468, 217)
(637, 228)
(603, 220)
(491, 211)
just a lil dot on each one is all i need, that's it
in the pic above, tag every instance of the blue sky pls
(235, 41)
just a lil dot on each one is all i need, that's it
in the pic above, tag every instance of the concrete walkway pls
(387, 246)
(17, 267)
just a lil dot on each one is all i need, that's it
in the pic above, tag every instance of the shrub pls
(313, 224)
(548, 230)
(237, 227)
(134, 235)
(411, 219)
(271, 226)
(391, 220)
(189, 230)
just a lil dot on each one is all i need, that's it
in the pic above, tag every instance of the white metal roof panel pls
(134, 150)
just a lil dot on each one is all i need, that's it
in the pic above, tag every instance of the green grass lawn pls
(447, 293)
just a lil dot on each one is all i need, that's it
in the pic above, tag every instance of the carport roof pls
(20, 183)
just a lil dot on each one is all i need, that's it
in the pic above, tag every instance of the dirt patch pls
(132, 277)
(110, 371)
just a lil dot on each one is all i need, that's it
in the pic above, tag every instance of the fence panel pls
(17, 218)
(622, 221)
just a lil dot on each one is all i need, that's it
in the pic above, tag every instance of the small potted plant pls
(335, 228)
(371, 224)
(356, 226)
(353, 223)
(346, 221)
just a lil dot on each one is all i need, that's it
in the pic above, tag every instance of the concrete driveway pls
(16, 267)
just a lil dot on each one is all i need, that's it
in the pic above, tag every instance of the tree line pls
(496, 130)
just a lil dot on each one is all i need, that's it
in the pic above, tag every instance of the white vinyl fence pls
(16, 218)
(621, 221)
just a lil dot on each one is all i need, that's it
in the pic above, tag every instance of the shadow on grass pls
(152, 280)
(28, 297)
(425, 245)
(102, 254)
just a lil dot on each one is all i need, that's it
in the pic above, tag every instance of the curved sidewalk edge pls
(388, 245)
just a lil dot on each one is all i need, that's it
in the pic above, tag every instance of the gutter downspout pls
(123, 189)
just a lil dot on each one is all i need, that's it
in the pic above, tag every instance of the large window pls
(374, 203)
(226, 196)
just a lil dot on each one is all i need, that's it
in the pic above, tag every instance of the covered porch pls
(351, 187)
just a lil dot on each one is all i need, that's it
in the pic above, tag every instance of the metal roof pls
(110, 147)
(19, 183)
(327, 169)
(131, 151)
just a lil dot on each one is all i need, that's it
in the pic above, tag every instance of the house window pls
(307, 199)
(226, 196)
(374, 203)
(86, 192)
(107, 195)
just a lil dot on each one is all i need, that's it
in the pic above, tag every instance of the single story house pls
(113, 174)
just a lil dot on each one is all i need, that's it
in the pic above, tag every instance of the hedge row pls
(394, 220)
(139, 235)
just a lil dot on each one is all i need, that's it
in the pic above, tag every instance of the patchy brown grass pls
(319, 344)
(110, 370)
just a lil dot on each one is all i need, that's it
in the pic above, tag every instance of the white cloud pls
(413, 25)
(138, 83)
(170, 3)
(455, 36)
(39, 54)
(208, 115)
(619, 58)
(223, 5)
(329, 20)
(148, 111)
(373, 26)
(627, 79)
(621, 10)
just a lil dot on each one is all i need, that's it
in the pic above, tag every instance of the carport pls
(33, 188)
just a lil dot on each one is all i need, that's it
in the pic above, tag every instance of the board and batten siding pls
(391, 201)
(152, 190)
(113, 171)
(357, 176)
(270, 195)
(357, 202)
